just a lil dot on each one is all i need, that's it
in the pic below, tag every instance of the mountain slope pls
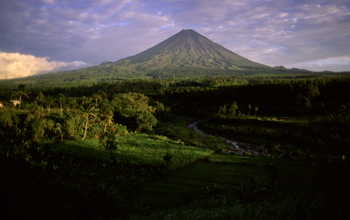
(188, 49)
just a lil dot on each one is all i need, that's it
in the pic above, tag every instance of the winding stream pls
(236, 146)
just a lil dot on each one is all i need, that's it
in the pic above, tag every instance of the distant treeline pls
(277, 97)
(204, 96)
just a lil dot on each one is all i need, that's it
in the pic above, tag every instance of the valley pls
(184, 130)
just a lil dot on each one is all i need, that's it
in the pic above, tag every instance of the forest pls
(117, 149)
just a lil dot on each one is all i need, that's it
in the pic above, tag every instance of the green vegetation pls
(123, 150)
(237, 187)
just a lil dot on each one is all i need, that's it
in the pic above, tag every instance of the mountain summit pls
(187, 49)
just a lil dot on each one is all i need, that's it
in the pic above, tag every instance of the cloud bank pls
(15, 65)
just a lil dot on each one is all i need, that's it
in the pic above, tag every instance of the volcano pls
(184, 53)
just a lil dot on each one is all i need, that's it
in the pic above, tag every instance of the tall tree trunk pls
(87, 120)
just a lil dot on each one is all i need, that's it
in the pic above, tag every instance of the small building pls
(14, 102)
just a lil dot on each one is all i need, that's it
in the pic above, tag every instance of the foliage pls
(249, 191)
(88, 110)
(69, 124)
(22, 91)
(341, 125)
(49, 101)
(35, 123)
(108, 141)
(8, 118)
(132, 110)
(61, 99)
(119, 129)
(180, 133)
(297, 206)
(76, 176)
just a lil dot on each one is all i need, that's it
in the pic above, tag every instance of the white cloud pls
(331, 64)
(15, 65)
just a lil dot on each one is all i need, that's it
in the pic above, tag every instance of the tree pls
(106, 118)
(40, 98)
(107, 140)
(69, 103)
(35, 123)
(233, 108)
(312, 91)
(61, 99)
(96, 97)
(74, 104)
(249, 109)
(102, 94)
(21, 90)
(5, 96)
(68, 124)
(256, 110)
(341, 125)
(222, 110)
(49, 101)
(128, 107)
(307, 102)
(88, 111)
(145, 121)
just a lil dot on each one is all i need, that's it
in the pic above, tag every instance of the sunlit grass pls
(142, 148)
(138, 149)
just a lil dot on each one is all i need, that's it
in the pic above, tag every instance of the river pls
(237, 147)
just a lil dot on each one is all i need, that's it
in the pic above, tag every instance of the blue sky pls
(40, 36)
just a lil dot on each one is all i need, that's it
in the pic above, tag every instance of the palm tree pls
(96, 97)
(106, 112)
(70, 102)
(21, 90)
(249, 109)
(88, 111)
(40, 97)
(106, 118)
(61, 98)
(102, 94)
(49, 100)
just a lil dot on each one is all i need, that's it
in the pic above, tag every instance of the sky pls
(40, 36)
